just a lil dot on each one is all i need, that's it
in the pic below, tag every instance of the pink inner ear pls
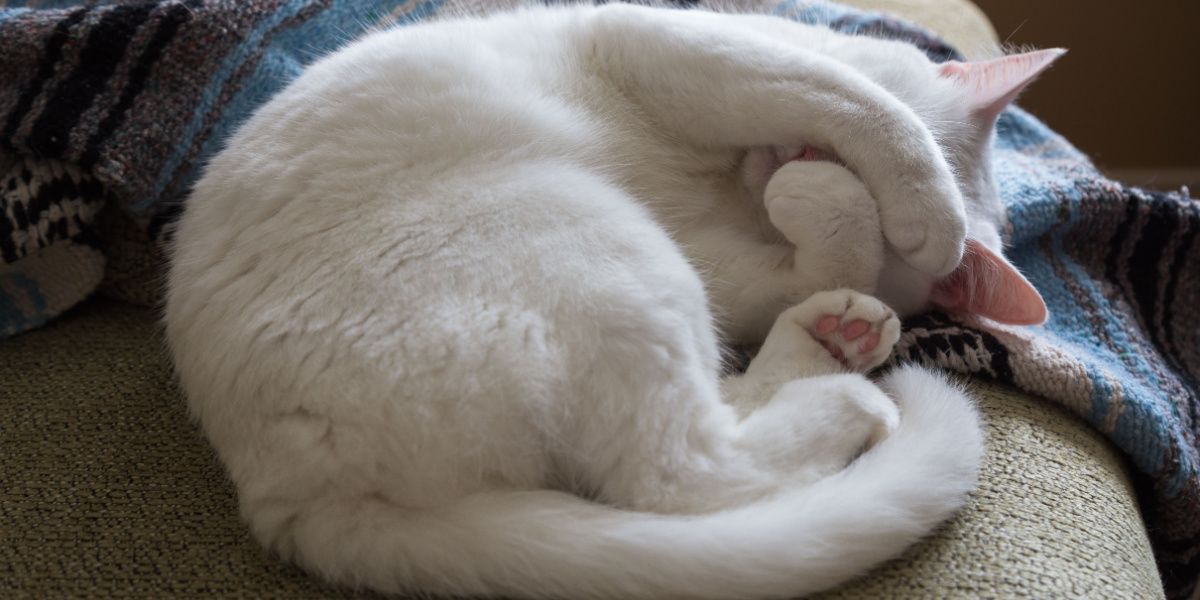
(995, 83)
(986, 284)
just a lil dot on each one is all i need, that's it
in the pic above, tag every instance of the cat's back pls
(410, 193)
(440, 90)
(398, 128)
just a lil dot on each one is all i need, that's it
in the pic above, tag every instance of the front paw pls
(928, 231)
(856, 329)
(810, 202)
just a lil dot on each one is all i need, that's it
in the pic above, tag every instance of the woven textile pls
(110, 492)
(121, 103)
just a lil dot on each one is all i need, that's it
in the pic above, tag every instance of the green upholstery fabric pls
(1054, 516)
(109, 490)
(108, 487)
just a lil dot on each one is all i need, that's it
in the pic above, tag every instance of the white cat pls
(445, 306)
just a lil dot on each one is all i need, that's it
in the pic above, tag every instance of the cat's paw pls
(815, 204)
(856, 329)
(927, 227)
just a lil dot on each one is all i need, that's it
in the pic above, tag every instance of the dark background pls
(1128, 92)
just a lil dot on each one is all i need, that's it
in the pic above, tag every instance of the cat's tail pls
(545, 544)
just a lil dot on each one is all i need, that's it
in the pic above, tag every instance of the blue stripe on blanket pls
(1090, 335)
(8, 13)
(421, 11)
(212, 93)
(285, 51)
(22, 305)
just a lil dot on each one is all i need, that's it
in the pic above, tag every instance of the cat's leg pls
(659, 432)
(714, 82)
(834, 331)
(827, 213)
(802, 411)
(831, 332)
(643, 423)
(832, 224)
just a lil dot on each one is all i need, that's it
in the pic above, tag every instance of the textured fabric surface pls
(1120, 271)
(109, 490)
(1054, 516)
(960, 22)
(43, 202)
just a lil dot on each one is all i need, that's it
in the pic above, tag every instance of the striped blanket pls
(107, 111)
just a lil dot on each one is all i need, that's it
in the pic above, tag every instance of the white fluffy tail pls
(545, 544)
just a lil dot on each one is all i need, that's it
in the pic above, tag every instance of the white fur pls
(444, 307)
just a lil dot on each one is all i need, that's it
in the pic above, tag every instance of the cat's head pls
(959, 103)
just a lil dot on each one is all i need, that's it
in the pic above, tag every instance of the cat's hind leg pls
(686, 448)
(656, 430)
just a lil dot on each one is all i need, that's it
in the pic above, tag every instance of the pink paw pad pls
(827, 324)
(855, 329)
(857, 343)
(870, 343)
(806, 154)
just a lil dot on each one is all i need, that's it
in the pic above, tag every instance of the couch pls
(109, 489)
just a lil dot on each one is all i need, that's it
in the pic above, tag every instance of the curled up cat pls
(450, 306)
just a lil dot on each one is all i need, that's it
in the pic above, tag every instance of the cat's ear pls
(986, 284)
(993, 84)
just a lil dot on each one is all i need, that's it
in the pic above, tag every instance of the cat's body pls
(445, 306)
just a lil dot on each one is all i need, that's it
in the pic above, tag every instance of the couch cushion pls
(109, 490)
